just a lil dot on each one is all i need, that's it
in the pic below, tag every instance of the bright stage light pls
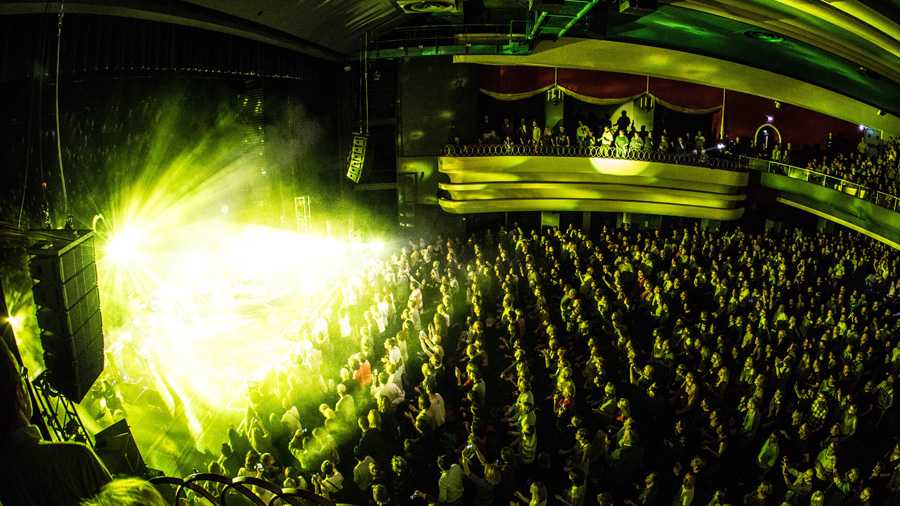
(125, 246)
(15, 322)
(198, 298)
(213, 306)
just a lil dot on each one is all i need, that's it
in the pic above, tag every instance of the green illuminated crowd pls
(685, 366)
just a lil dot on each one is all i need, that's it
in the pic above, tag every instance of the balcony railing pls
(882, 199)
(711, 159)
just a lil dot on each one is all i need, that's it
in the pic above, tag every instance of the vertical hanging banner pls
(357, 158)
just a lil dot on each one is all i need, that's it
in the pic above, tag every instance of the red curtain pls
(745, 113)
(686, 95)
(504, 79)
(516, 83)
(596, 84)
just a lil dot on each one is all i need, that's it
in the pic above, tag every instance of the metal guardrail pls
(857, 190)
(713, 161)
(218, 490)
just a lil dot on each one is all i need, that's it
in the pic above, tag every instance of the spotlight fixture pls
(871, 74)
(771, 38)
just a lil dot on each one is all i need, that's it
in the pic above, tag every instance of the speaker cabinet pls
(68, 311)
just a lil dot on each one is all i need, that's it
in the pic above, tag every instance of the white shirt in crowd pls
(450, 486)
(437, 411)
(391, 391)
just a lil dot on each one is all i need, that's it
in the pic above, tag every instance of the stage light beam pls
(15, 322)
(125, 246)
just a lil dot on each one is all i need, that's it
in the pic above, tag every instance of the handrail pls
(693, 158)
(242, 485)
(880, 198)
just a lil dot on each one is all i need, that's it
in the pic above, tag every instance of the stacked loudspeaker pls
(115, 445)
(68, 311)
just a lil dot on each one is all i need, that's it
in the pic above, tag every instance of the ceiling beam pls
(846, 22)
(868, 15)
(581, 13)
(179, 13)
(759, 16)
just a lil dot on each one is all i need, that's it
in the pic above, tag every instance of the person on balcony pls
(623, 122)
(648, 141)
(786, 154)
(562, 138)
(523, 133)
(606, 141)
(663, 146)
(507, 130)
(699, 142)
(590, 141)
(508, 145)
(582, 133)
(776, 152)
(636, 145)
(535, 135)
(547, 137)
(621, 143)
(862, 147)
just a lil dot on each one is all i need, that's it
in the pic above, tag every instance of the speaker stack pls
(68, 311)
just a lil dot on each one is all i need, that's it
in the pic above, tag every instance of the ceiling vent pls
(428, 6)
(771, 38)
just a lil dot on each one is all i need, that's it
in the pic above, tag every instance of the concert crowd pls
(689, 366)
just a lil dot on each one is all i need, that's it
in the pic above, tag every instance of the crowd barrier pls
(217, 490)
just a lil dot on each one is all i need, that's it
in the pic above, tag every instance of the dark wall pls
(745, 113)
(437, 98)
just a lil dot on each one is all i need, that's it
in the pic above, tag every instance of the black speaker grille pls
(68, 312)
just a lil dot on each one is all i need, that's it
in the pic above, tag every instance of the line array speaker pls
(68, 311)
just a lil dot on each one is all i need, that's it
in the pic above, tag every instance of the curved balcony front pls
(588, 180)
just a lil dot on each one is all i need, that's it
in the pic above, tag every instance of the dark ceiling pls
(335, 24)
(698, 32)
(849, 46)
